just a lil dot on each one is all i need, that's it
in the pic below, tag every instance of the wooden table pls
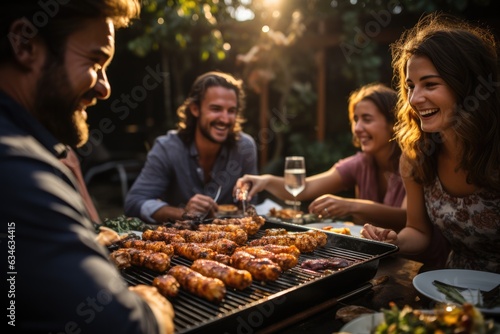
(398, 288)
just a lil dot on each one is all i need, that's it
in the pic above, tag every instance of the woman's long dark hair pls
(465, 56)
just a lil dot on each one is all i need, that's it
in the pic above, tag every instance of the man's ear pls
(194, 109)
(25, 43)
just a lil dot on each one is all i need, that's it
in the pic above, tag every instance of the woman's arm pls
(363, 211)
(414, 238)
(316, 185)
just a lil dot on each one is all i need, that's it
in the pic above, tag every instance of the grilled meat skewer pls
(232, 277)
(304, 242)
(192, 251)
(211, 289)
(238, 236)
(321, 237)
(155, 246)
(221, 246)
(249, 227)
(160, 235)
(285, 261)
(277, 249)
(167, 285)
(125, 257)
(261, 269)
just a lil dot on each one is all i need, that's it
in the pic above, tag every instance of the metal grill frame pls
(263, 304)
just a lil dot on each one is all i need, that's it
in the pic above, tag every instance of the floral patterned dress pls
(471, 224)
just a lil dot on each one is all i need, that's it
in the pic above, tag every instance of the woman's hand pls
(379, 234)
(254, 184)
(330, 206)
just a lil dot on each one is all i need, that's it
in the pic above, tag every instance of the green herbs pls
(124, 224)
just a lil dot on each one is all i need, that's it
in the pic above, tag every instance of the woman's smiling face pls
(429, 95)
(371, 128)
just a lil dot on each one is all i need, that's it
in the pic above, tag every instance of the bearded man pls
(53, 60)
(207, 152)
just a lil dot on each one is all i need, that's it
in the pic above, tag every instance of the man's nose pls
(102, 87)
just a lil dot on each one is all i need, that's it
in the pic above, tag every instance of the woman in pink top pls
(372, 173)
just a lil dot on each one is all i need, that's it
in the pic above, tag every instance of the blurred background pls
(299, 60)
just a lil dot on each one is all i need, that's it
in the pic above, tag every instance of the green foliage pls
(177, 26)
(190, 32)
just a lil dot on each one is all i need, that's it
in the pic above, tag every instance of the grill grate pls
(193, 313)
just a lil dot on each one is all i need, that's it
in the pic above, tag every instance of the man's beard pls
(56, 105)
(206, 133)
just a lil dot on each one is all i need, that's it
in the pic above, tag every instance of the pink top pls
(359, 171)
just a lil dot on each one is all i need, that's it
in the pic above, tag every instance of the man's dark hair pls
(55, 20)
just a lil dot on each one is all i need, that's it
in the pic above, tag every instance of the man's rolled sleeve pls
(149, 207)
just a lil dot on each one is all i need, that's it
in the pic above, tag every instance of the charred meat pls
(167, 285)
(325, 264)
(232, 277)
(209, 288)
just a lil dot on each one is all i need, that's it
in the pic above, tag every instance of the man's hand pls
(200, 204)
(161, 307)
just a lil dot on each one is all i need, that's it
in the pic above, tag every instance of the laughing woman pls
(373, 172)
(448, 119)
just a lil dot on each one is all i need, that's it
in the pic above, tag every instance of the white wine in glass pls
(295, 176)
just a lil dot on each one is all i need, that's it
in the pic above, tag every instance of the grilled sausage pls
(159, 235)
(221, 246)
(321, 237)
(275, 231)
(125, 257)
(239, 236)
(284, 260)
(211, 289)
(304, 242)
(155, 246)
(232, 277)
(193, 251)
(246, 224)
(261, 269)
(292, 250)
(167, 285)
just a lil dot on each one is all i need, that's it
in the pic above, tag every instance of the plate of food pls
(285, 213)
(468, 284)
(442, 319)
(227, 209)
(347, 228)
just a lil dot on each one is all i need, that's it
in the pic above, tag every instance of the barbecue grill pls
(265, 304)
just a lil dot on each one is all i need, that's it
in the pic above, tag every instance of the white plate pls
(364, 324)
(471, 279)
(355, 229)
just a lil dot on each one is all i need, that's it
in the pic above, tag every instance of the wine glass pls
(295, 177)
